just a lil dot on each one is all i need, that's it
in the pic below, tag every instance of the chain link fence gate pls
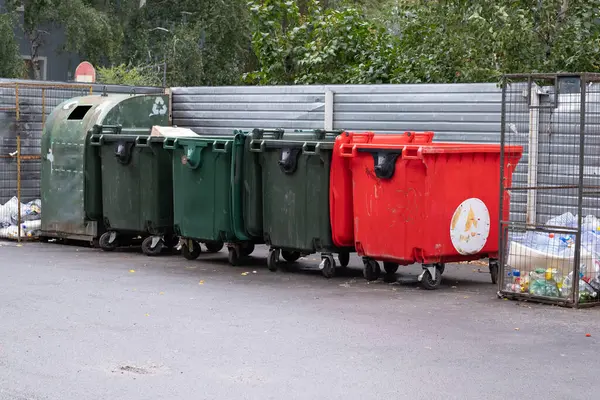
(24, 108)
(550, 244)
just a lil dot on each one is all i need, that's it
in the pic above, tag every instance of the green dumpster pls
(208, 195)
(70, 182)
(137, 189)
(294, 184)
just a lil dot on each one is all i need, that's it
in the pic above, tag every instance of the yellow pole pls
(19, 185)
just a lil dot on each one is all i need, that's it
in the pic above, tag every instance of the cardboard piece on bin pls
(172, 131)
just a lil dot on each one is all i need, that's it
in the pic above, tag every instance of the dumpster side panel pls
(296, 205)
(440, 205)
(137, 196)
(202, 205)
(69, 198)
(252, 192)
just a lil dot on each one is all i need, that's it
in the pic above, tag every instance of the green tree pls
(204, 42)
(320, 45)
(89, 32)
(11, 64)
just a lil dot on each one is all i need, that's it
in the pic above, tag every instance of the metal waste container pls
(295, 181)
(137, 189)
(208, 179)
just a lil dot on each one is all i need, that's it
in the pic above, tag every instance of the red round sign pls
(85, 72)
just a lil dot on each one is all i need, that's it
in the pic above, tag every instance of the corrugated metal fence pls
(457, 112)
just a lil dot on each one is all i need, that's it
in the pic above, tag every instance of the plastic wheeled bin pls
(137, 190)
(208, 206)
(421, 202)
(295, 173)
(70, 182)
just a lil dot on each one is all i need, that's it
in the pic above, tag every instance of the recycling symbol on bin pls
(159, 107)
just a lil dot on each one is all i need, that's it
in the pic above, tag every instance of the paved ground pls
(76, 323)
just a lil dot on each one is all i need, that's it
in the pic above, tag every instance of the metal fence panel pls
(551, 238)
(455, 112)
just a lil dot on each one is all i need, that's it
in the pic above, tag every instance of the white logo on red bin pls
(470, 226)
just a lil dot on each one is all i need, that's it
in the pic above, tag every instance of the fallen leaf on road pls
(147, 315)
(161, 293)
(245, 273)
(201, 283)
(254, 272)
(132, 270)
(517, 329)
(19, 245)
(453, 287)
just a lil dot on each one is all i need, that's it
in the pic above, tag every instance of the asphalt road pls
(80, 324)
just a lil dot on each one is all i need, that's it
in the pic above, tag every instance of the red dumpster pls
(341, 211)
(414, 201)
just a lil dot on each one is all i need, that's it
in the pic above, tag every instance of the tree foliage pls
(323, 45)
(123, 74)
(217, 42)
(11, 64)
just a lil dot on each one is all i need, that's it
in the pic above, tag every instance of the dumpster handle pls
(288, 160)
(193, 155)
(221, 147)
(311, 149)
(123, 152)
(257, 146)
(96, 140)
(411, 153)
(170, 143)
(348, 150)
(142, 141)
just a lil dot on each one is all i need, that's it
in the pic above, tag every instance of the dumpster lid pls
(172, 131)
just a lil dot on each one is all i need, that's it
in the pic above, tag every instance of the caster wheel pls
(191, 249)
(371, 270)
(233, 256)
(106, 243)
(428, 282)
(171, 241)
(247, 249)
(214, 247)
(390, 268)
(344, 259)
(273, 259)
(494, 271)
(327, 266)
(441, 267)
(290, 256)
(147, 246)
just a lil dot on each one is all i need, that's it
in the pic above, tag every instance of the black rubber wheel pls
(494, 272)
(233, 256)
(272, 260)
(104, 243)
(171, 241)
(147, 248)
(428, 282)
(328, 266)
(194, 252)
(390, 267)
(441, 267)
(344, 259)
(247, 249)
(371, 270)
(214, 247)
(290, 256)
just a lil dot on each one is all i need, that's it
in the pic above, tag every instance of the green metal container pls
(294, 183)
(208, 194)
(137, 189)
(70, 183)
